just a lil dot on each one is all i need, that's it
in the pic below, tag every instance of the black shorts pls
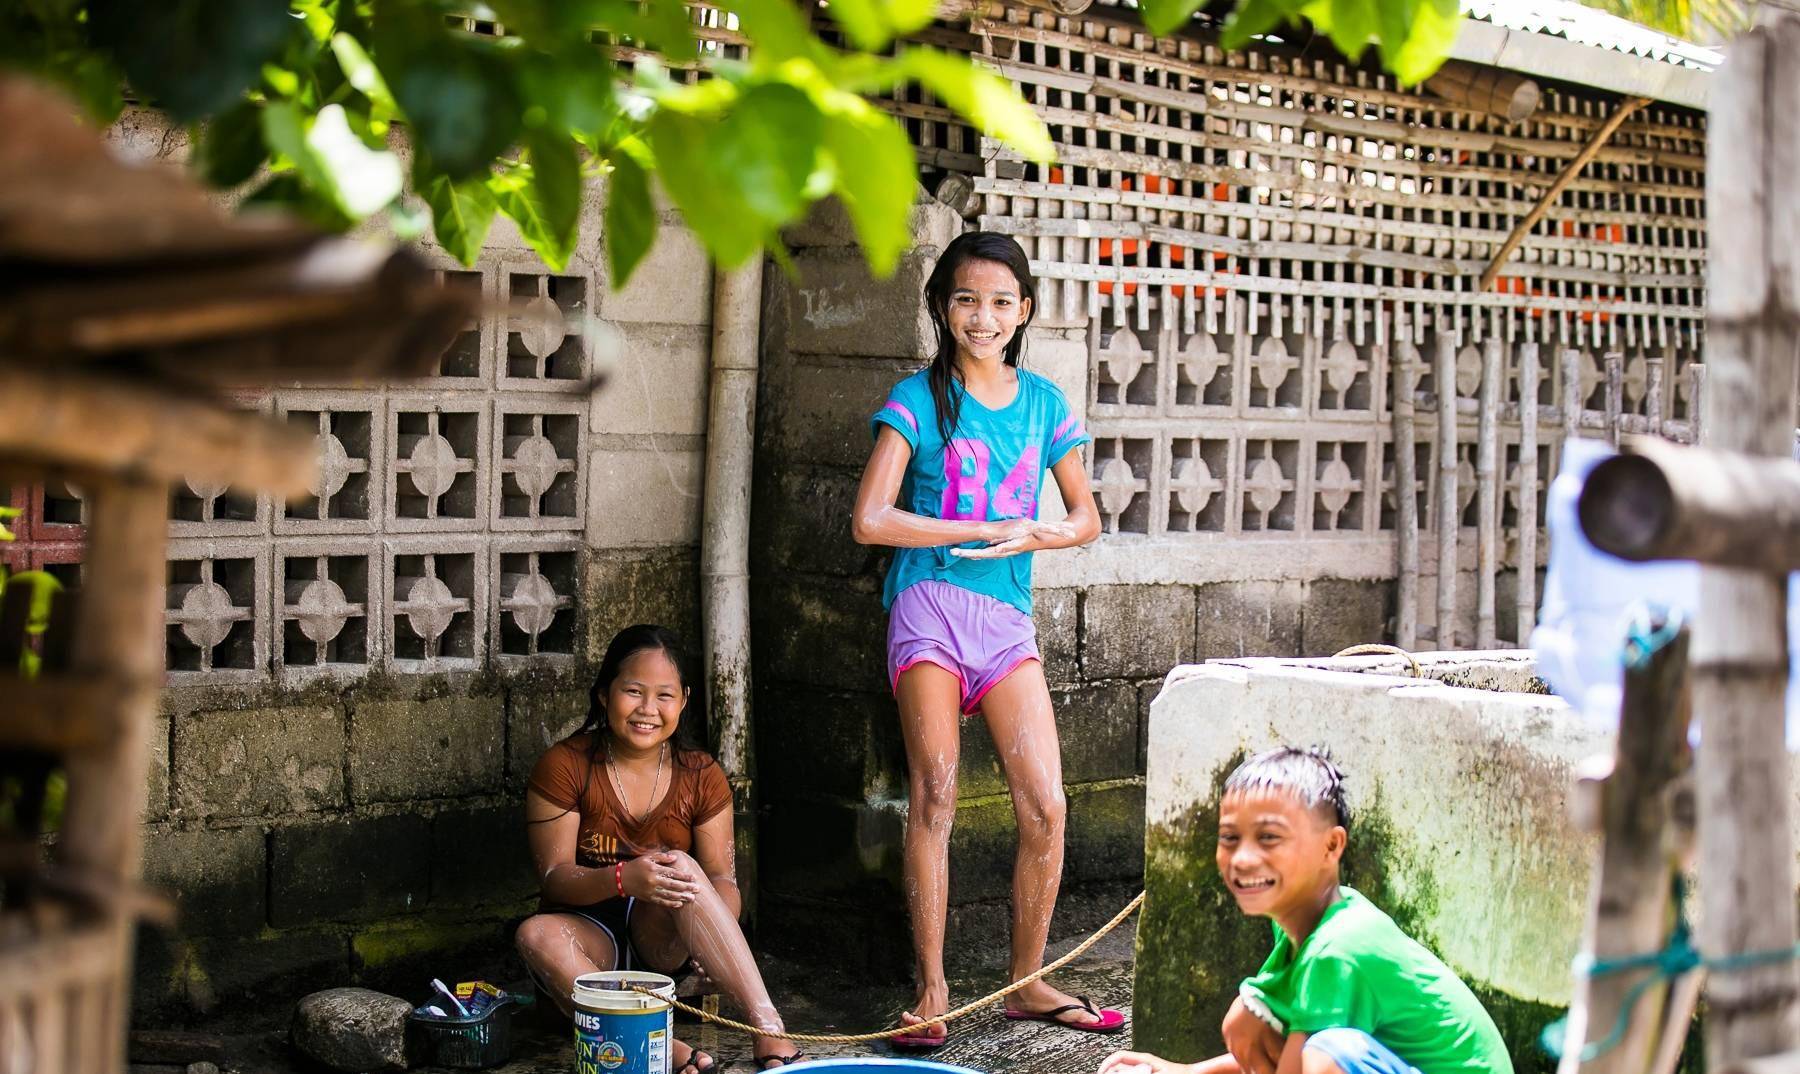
(614, 918)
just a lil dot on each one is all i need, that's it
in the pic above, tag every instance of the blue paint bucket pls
(619, 1030)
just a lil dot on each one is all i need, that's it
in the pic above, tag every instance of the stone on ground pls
(355, 1030)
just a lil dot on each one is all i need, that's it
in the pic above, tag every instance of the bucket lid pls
(607, 985)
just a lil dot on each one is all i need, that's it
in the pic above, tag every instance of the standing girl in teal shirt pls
(961, 449)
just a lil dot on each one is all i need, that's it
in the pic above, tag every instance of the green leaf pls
(875, 177)
(910, 16)
(1164, 17)
(708, 201)
(231, 146)
(988, 100)
(863, 22)
(458, 94)
(777, 31)
(519, 199)
(1253, 18)
(329, 158)
(461, 214)
(1434, 29)
(630, 217)
(96, 84)
(362, 73)
(768, 147)
(361, 180)
(1351, 24)
(556, 176)
(193, 58)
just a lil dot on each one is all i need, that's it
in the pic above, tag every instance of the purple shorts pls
(978, 639)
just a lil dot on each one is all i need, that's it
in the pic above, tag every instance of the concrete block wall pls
(359, 820)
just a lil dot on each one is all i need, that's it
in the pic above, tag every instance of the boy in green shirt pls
(1344, 991)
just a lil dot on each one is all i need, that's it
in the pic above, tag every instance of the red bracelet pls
(619, 878)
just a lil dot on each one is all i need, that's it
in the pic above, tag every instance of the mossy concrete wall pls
(1460, 832)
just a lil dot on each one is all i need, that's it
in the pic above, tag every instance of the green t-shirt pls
(1359, 971)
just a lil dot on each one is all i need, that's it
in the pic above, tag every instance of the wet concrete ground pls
(983, 1041)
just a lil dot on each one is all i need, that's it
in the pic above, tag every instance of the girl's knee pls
(934, 797)
(535, 933)
(1041, 812)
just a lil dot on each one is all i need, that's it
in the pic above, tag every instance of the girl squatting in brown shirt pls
(632, 836)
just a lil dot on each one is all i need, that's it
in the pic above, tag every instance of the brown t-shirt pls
(570, 775)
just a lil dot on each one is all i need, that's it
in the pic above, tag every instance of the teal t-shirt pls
(1359, 971)
(993, 469)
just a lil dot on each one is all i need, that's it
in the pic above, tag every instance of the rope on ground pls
(885, 1034)
(1382, 650)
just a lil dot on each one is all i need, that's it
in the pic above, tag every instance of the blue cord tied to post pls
(1677, 958)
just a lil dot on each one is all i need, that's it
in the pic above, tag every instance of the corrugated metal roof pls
(1597, 29)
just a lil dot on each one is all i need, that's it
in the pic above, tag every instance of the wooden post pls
(1444, 374)
(1740, 631)
(1640, 824)
(1526, 591)
(1614, 366)
(1487, 493)
(1406, 483)
(1572, 402)
(1660, 500)
(119, 636)
(1653, 394)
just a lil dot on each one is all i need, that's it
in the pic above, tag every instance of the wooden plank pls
(1740, 630)
(62, 715)
(1526, 589)
(108, 427)
(1330, 253)
(1448, 522)
(1644, 834)
(1487, 493)
(1563, 181)
(120, 634)
(1406, 480)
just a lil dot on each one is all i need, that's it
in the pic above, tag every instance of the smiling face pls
(985, 310)
(644, 702)
(1276, 855)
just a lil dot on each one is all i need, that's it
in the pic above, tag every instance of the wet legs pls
(930, 701)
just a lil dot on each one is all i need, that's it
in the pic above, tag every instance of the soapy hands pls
(662, 879)
(1016, 535)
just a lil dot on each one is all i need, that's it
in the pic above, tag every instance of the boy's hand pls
(1254, 1043)
(1139, 1063)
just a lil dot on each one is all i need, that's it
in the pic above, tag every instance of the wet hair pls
(970, 246)
(1308, 774)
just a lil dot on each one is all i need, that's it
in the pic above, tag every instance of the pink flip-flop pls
(1110, 1021)
(924, 1038)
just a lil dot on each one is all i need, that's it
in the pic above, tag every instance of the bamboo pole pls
(1567, 176)
(1740, 632)
(1526, 590)
(1406, 483)
(120, 633)
(1639, 822)
(1653, 393)
(1487, 493)
(1448, 520)
(1664, 501)
(1615, 395)
(1569, 367)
